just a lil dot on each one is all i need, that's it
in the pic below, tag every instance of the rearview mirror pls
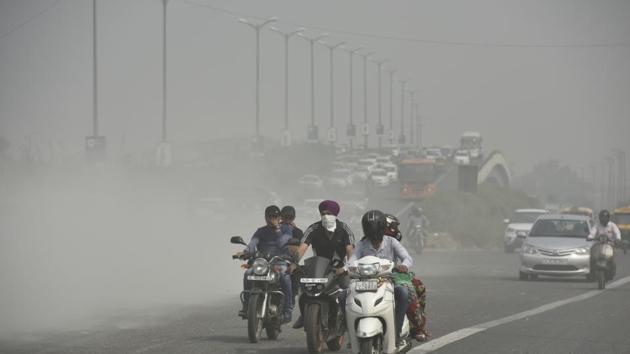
(237, 239)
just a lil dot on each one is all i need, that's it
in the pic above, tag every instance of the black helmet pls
(604, 217)
(272, 211)
(287, 212)
(373, 223)
(391, 227)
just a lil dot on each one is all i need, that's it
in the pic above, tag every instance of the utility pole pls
(286, 139)
(94, 73)
(351, 130)
(401, 137)
(366, 127)
(379, 128)
(332, 133)
(257, 27)
(312, 133)
(391, 107)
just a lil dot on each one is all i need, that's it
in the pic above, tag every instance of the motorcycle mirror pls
(237, 239)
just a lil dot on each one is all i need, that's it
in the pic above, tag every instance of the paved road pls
(466, 289)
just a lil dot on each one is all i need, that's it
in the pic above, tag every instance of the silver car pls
(556, 246)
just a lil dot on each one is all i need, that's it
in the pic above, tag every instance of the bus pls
(417, 178)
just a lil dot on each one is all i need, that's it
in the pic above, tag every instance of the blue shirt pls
(389, 249)
(270, 241)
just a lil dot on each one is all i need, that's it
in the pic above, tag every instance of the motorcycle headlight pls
(369, 269)
(529, 249)
(260, 266)
(582, 250)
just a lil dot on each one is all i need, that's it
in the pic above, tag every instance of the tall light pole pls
(312, 129)
(418, 127)
(164, 135)
(94, 74)
(412, 98)
(401, 137)
(391, 106)
(621, 173)
(351, 131)
(286, 36)
(332, 133)
(366, 127)
(379, 128)
(257, 26)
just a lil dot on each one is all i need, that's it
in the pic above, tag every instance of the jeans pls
(401, 296)
(285, 286)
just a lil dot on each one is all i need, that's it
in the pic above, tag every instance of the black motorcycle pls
(265, 306)
(323, 315)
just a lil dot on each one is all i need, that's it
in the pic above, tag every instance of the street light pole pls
(286, 36)
(332, 134)
(412, 95)
(94, 74)
(312, 41)
(379, 129)
(366, 129)
(257, 27)
(621, 173)
(351, 105)
(401, 140)
(391, 106)
(164, 135)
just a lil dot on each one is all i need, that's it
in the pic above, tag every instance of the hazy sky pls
(539, 79)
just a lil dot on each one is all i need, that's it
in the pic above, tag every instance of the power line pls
(28, 20)
(419, 40)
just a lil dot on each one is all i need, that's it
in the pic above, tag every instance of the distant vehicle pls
(392, 171)
(367, 163)
(417, 178)
(471, 141)
(379, 177)
(462, 157)
(360, 173)
(432, 153)
(578, 211)
(556, 246)
(311, 181)
(518, 227)
(340, 177)
(621, 217)
(447, 151)
(383, 160)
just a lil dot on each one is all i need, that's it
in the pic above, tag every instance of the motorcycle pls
(417, 238)
(323, 315)
(601, 260)
(370, 307)
(266, 299)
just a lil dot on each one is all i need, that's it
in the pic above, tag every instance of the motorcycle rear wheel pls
(254, 318)
(312, 327)
(370, 345)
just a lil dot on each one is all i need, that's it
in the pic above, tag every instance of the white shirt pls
(610, 230)
(389, 249)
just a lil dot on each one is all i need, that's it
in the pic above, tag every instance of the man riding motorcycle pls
(270, 239)
(375, 244)
(611, 231)
(417, 293)
(417, 218)
(330, 238)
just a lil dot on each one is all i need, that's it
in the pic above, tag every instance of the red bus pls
(417, 178)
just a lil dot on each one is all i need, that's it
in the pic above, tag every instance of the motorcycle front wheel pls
(370, 345)
(312, 327)
(601, 279)
(254, 318)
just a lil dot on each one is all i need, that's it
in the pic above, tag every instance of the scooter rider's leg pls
(401, 296)
(287, 288)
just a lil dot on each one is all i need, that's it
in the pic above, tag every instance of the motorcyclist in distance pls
(375, 244)
(270, 239)
(610, 230)
(416, 217)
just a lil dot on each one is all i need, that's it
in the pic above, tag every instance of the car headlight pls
(369, 269)
(521, 233)
(509, 230)
(529, 249)
(582, 250)
(260, 266)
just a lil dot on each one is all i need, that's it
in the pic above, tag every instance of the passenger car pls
(518, 227)
(556, 246)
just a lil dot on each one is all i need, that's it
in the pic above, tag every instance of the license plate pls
(313, 280)
(365, 286)
(259, 277)
(554, 261)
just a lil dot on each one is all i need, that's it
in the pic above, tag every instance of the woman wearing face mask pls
(330, 238)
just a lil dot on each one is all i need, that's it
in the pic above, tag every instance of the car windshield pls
(525, 217)
(559, 228)
(621, 219)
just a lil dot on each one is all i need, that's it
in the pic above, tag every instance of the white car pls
(462, 157)
(392, 171)
(311, 181)
(518, 227)
(360, 173)
(379, 177)
(433, 153)
(340, 177)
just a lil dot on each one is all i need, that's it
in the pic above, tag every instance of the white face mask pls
(329, 222)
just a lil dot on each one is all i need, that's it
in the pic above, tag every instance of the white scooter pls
(370, 307)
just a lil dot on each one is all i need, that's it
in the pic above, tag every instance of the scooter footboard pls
(369, 327)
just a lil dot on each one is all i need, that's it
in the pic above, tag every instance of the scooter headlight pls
(260, 266)
(369, 269)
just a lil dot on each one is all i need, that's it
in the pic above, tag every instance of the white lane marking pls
(466, 332)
